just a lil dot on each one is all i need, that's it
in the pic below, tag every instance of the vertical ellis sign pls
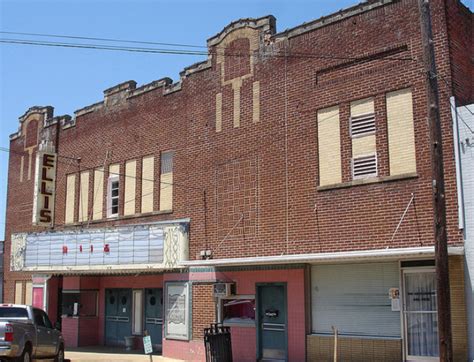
(45, 175)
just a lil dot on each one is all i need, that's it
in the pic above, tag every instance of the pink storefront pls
(263, 306)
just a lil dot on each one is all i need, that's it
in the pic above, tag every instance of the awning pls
(340, 257)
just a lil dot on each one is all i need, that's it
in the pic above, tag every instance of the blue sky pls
(69, 79)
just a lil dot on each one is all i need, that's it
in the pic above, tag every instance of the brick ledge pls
(368, 181)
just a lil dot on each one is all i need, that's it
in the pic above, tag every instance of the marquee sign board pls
(133, 247)
(45, 176)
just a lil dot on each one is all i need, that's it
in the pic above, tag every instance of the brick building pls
(282, 187)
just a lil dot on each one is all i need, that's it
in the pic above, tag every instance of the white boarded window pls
(354, 298)
(364, 166)
(84, 196)
(98, 196)
(130, 186)
(329, 146)
(29, 293)
(148, 184)
(401, 132)
(70, 198)
(18, 292)
(166, 181)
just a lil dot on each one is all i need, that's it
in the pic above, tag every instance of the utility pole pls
(439, 202)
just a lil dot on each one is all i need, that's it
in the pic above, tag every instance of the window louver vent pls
(365, 166)
(363, 125)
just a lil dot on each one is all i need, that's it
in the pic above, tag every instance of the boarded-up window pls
(98, 197)
(130, 186)
(401, 132)
(329, 146)
(18, 292)
(148, 177)
(166, 181)
(29, 293)
(84, 197)
(70, 198)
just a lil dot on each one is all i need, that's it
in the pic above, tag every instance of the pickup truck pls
(26, 332)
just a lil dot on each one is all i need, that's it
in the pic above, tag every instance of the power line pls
(217, 51)
(104, 39)
(8, 150)
(102, 47)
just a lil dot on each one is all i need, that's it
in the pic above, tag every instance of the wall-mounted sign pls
(394, 295)
(177, 315)
(271, 313)
(45, 175)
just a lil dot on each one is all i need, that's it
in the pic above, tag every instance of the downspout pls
(457, 157)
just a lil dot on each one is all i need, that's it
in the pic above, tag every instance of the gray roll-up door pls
(355, 299)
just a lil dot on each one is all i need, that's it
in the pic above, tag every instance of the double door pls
(154, 315)
(118, 316)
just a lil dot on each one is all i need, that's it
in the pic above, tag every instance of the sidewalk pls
(90, 354)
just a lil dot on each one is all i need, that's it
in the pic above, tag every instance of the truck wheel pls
(60, 356)
(26, 355)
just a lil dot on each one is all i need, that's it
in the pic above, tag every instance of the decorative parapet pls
(266, 24)
(161, 83)
(45, 113)
(260, 31)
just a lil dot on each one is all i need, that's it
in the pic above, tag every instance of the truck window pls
(12, 312)
(47, 322)
(39, 320)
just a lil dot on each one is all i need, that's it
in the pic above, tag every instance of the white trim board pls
(357, 255)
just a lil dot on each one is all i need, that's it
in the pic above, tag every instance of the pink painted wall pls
(244, 338)
(71, 283)
(53, 286)
(188, 351)
(244, 343)
(90, 282)
(70, 331)
(88, 331)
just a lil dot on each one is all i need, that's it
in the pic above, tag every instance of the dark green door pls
(272, 322)
(118, 312)
(154, 315)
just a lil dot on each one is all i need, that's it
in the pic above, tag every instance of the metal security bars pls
(218, 344)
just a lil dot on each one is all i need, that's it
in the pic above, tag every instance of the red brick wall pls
(20, 194)
(204, 309)
(460, 30)
(354, 218)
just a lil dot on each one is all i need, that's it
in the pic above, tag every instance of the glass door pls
(420, 315)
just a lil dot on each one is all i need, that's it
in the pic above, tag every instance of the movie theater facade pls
(280, 193)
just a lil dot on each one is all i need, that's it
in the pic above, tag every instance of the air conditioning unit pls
(223, 289)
